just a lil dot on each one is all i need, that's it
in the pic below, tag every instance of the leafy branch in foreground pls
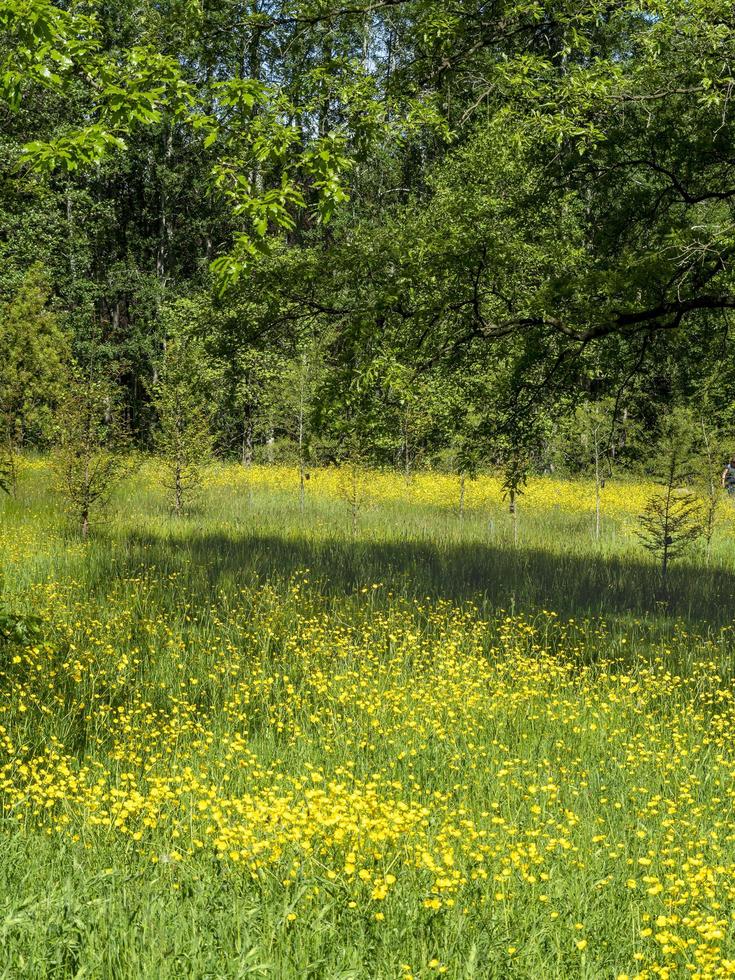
(18, 628)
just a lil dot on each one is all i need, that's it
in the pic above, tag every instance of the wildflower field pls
(253, 742)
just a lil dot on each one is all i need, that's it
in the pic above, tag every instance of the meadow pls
(359, 734)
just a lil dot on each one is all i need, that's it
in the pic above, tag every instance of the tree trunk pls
(247, 441)
(302, 405)
(354, 500)
(597, 491)
(70, 234)
(406, 426)
(164, 232)
(178, 492)
(514, 515)
(86, 495)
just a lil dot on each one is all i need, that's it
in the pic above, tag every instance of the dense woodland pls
(485, 232)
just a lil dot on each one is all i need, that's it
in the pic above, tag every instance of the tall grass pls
(252, 742)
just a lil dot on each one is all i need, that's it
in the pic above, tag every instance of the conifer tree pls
(34, 357)
(673, 518)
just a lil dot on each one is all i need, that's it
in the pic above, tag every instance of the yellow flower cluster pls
(403, 760)
(619, 498)
(418, 760)
(436, 489)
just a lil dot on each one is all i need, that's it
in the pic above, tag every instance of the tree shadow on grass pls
(500, 577)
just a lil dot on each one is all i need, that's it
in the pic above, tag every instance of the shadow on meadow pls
(523, 579)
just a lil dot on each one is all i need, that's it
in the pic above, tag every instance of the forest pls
(367, 483)
(418, 235)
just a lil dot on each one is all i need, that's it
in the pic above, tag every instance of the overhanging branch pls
(665, 316)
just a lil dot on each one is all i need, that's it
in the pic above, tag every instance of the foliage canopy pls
(535, 195)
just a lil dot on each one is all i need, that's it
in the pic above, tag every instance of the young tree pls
(34, 356)
(465, 465)
(517, 447)
(350, 408)
(182, 437)
(301, 377)
(673, 518)
(671, 522)
(589, 434)
(356, 423)
(515, 477)
(91, 455)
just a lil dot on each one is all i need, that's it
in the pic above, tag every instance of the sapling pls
(594, 421)
(514, 481)
(91, 456)
(352, 487)
(673, 518)
(182, 437)
(299, 398)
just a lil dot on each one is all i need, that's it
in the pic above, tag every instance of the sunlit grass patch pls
(221, 757)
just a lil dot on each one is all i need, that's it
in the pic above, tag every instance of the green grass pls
(228, 717)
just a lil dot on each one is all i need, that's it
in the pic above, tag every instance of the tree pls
(7, 473)
(593, 424)
(91, 456)
(300, 381)
(673, 518)
(247, 398)
(198, 75)
(34, 355)
(301, 151)
(351, 414)
(516, 441)
(182, 436)
(671, 522)
(590, 209)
